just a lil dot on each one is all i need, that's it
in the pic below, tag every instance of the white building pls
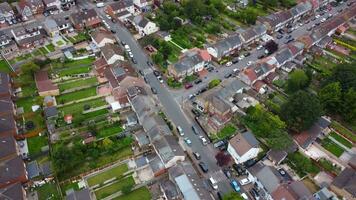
(243, 147)
(144, 26)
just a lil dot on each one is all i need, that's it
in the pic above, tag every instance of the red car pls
(188, 85)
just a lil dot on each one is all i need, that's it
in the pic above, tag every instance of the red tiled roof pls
(43, 83)
(250, 73)
(93, 22)
(205, 55)
(258, 85)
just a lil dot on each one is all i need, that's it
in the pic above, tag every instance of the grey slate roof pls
(301, 8)
(14, 191)
(223, 46)
(50, 111)
(189, 60)
(283, 55)
(79, 195)
(346, 180)
(250, 138)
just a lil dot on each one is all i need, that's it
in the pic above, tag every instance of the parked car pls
(141, 72)
(245, 181)
(228, 64)
(133, 60)
(203, 167)
(191, 96)
(160, 79)
(180, 131)
(282, 172)
(227, 173)
(188, 141)
(203, 140)
(247, 54)
(254, 193)
(241, 57)
(210, 69)
(250, 163)
(235, 60)
(235, 185)
(249, 63)
(195, 130)
(154, 91)
(196, 112)
(188, 85)
(228, 75)
(219, 144)
(123, 43)
(197, 155)
(156, 73)
(213, 183)
(113, 31)
(261, 56)
(198, 81)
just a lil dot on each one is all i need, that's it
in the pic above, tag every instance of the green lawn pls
(48, 191)
(141, 193)
(36, 143)
(74, 70)
(79, 38)
(332, 147)
(301, 164)
(341, 139)
(80, 94)
(86, 61)
(4, 67)
(28, 102)
(108, 174)
(111, 189)
(78, 83)
(323, 64)
(50, 47)
(328, 166)
(43, 50)
(109, 130)
(344, 131)
(29, 90)
(78, 108)
(227, 131)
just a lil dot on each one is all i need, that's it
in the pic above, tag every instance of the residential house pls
(121, 9)
(169, 190)
(243, 147)
(252, 34)
(294, 190)
(143, 25)
(121, 93)
(164, 143)
(14, 191)
(9, 148)
(36, 6)
(266, 178)
(8, 47)
(308, 137)
(66, 4)
(63, 23)
(24, 11)
(8, 125)
(44, 85)
(85, 19)
(50, 25)
(101, 37)
(142, 5)
(217, 102)
(99, 65)
(189, 63)
(283, 56)
(225, 47)
(300, 10)
(79, 195)
(112, 53)
(52, 6)
(325, 194)
(275, 21)
(50, 112)
(345, 184)
(6, 106)
(12, 171)
(276, 156)
(5, 85)
(188, 183)
(6, 13)
(255, 72)
(29, 35)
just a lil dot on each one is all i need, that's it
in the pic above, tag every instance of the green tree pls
(297, 80)
(349, 113)
(29, 68)
(301, 111)
(107, 143)
(330, 97)
(165, 50)
(232, 196)
(345, 74)
(158, 58)
(126, 189)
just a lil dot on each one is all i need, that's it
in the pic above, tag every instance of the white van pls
(244, 196)
(100, 5)
(213, 183)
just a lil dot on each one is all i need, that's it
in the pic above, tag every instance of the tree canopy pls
(330, 97)
(345, 74)
(301, 111)
(268, 127)
(297, 80)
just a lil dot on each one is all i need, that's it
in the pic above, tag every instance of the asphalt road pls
(170, 106)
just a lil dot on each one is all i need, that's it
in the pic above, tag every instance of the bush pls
(171, 82)
(214, 83)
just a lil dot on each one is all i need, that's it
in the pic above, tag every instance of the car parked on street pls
(188, 141)
(188, 85)
(227, 173)
(160, 79)
(198, 81)
(203, 140)
(195, 130)
(180, 131)
(203, 167)
(154, 91)
(196, 112)
(245, 181)
(197, 155)
(228, 64)
(235, 185)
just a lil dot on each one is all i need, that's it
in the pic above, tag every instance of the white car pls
(259, 47)
(249, 63)
(127, 47)
(323, 20)
(300, 24)
(108, 16)
(244, 196)
(203, 140)
(131, 54)
(245, 181)
(228, 64)
(160, 79)
(317, 16)
(241, 57)
(180, 131)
